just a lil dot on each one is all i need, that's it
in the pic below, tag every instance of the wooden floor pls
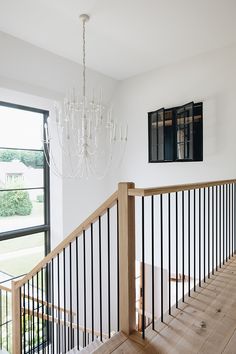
(205, 323)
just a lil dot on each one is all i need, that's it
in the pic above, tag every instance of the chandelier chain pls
(84, 67)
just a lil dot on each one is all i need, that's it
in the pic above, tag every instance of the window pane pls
(169, 136)
(19, 255)
(184, 124)
(198, 140)
(154, 128)
(161, 134)
(153, 136)
(21, 169)
(20, 209)
(20, 128)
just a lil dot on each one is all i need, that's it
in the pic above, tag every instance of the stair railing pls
(186, 234)
(183, 234)
(82, 275)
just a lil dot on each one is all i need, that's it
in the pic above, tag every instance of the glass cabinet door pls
(198, 132)
(176, 134)
(156, 136)
(160, 135)
(184, 132)
(169, 135)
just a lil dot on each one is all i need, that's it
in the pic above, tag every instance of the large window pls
(24, 190)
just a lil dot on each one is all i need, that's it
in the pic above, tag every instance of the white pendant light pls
(86, 132)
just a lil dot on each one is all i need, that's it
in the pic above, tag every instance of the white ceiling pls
(125, 37)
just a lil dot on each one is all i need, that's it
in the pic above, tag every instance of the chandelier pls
(84, 130)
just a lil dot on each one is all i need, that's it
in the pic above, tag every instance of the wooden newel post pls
(16, 319)
(127, 258)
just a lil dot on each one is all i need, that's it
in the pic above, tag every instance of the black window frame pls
(170, 135)
(44, 228)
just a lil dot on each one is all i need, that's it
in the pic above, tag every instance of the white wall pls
(209, 78)
(35, 75)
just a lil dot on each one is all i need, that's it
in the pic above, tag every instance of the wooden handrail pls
(4, 288)
(63, 323)
(144, 192)
(43, 302)
(72, 236)
(48, 304)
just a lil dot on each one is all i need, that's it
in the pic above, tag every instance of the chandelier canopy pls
(85, 132)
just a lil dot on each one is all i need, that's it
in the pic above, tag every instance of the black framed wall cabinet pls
(176, 134)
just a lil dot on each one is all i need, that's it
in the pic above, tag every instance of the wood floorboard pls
(204, 324)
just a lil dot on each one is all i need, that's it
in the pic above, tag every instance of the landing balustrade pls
(141, 254)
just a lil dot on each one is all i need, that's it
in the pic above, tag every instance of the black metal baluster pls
(118, 267)
(53, 316)
(77, 289)
(226, 221)
(8, 321)
(183, 246)
(24, 321)
(229, 234)
(232, 217)
(189, 243)
(229, 254)
(85, 303)
(71, 291)
(213, 232)
(152, 250)
(176, 250)
(208, 248)
(33, 309)
(73, 337)
(64, 290)
(42, 292)
(143, 271)
(194, 240)
(108, 274)
(204, 233)
(230, 225)
(161, 217)
(220, 224)
(37, 285)
(216, 228)
(169, 256)
(233, 206)
(7, 336)
(29, 317)
(223, 224)
(92, 290)
(47, 306)
(1, 321)
(200, 235)
(58, 302)
(100, 272)
(21, 324)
